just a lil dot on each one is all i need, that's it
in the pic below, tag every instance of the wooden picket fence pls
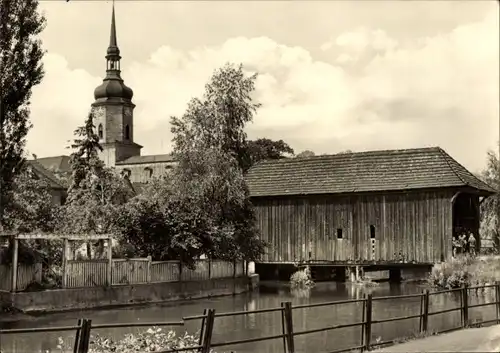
(26, 274)
(92, 273)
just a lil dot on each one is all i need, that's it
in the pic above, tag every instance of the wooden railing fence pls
(84, 326)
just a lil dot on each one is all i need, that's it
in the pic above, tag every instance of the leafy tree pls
(202, 207)
(489, 227)
(262, 149)
(20, 70)
(96, 193)
(93, 206)
(209, 145)
(31, 208)
(306, 153)
(164, 226)
(84, 160)
(218, 120)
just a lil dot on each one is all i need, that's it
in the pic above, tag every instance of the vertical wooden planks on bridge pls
(425, 314)
(465, 307)
(497, 300)
(209, 328)
(368, 323)
(289, 327)
(283, 332)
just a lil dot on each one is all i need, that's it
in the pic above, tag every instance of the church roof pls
(46, 174)
(56, 163)
(156, 158)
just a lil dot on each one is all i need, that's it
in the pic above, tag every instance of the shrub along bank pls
(154, 339)
(465, 269)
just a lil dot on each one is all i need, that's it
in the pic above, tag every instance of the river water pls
(263, 324)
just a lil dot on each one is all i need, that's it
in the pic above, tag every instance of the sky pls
(332, 75)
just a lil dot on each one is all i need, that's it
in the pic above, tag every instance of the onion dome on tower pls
(112, 85)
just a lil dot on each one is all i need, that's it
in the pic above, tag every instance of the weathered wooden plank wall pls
(26, 274)
(407, 226)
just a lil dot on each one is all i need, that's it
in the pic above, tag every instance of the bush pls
(465, 269)
(302, 279)
(153, 340)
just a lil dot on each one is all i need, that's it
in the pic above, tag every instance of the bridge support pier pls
(354, 273)
(395, 275)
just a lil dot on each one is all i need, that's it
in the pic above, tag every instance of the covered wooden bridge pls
(378, 208)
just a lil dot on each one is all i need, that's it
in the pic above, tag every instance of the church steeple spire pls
(114, 118)
(113, 86)
(113, 49)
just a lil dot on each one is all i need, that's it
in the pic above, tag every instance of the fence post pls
(65, 263)
(86, 340)
(425, 317)
(465, 308)
(209, 268)
(363, 311)
(15, 253)
(283, 332)
(76, 345)
(82, 340)
(148, 272)
(202, 330)
(109, 272)
(209, 327)
(180, 271)
(368, 324)
(421, 318)
(289, 327)
(497, 300)
(234, 268)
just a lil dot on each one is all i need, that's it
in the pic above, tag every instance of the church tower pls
(113, 109)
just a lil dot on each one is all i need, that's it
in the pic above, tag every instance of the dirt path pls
(484, 339)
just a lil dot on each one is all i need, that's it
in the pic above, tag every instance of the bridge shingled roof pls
(388, 170)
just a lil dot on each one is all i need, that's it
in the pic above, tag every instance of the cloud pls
(376, 93)
(360, 43)
(59, 104)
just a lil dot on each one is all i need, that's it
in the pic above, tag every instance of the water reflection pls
(264, 324)
(301, 293)
(250, 318)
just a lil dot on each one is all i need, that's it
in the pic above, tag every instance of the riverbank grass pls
(464, 269)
